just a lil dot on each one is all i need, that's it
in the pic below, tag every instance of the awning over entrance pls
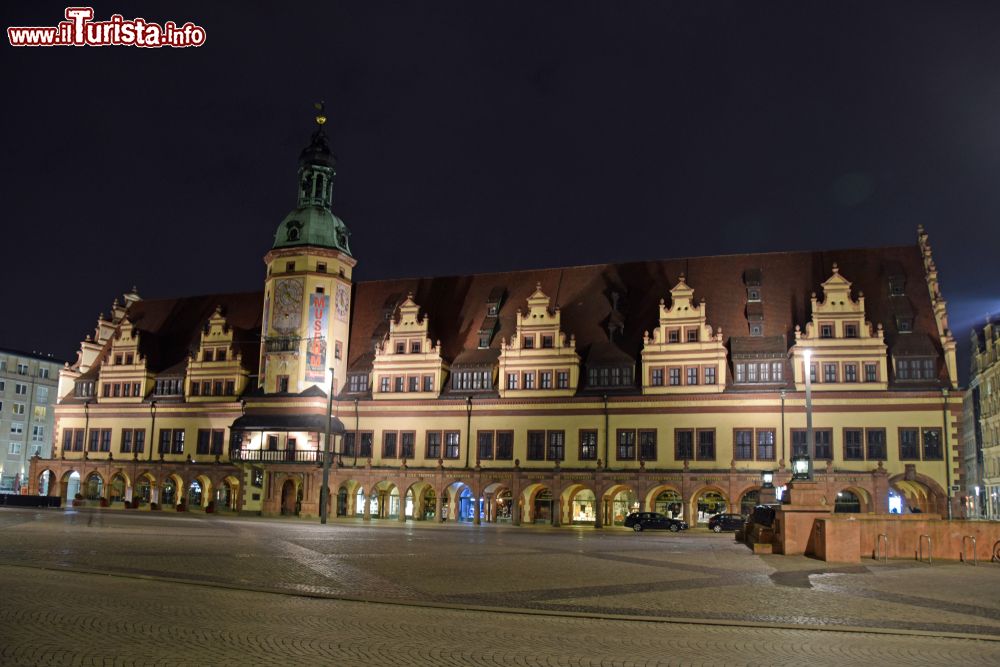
(286, 423)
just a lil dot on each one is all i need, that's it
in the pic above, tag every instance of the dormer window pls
(904, 324)
(484, 341)
(118, 360)
(692, 335)
(673, 336)
(415, 347)
(400, 347)
(207, 355)
(220, 355)
(850, 331)
(755, 330)
(826, 331)
(547, 342)
(896, 286)
(492, 310)
(753, 294)
(293, 234)
(357, 383)
(528, 342)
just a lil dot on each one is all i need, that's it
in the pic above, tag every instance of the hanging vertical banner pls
(319, 315)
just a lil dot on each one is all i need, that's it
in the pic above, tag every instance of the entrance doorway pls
(543, 507)
(289, 499)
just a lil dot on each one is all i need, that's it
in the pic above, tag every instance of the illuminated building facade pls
(561, 395)
(27, 400)
(982, 414)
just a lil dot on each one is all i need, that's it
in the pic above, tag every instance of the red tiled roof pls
(457, 305)
(171, 328)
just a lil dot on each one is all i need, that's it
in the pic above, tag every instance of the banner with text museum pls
(319, 316)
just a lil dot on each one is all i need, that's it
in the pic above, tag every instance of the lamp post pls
(324, 490)
(152, 428)
(802, 468)
(947, 453)
(468, 428)
(357, 436)
(86, 427)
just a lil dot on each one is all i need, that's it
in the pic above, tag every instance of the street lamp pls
(152, 428)
(947, 453)
(767, 479)
(802, 469)
(468, 428)
(324, 490)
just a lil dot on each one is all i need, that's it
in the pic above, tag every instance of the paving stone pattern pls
(202, 589)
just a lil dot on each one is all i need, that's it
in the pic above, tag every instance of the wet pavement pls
(692, 587)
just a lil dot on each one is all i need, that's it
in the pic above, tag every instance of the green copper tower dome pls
(313, 223)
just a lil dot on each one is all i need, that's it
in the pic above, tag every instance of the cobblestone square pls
(106, 587)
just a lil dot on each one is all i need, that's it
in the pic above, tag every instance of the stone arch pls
(920, 493)
(288, 490)
(48, 484)
(200, 495)
(227, 494)
(539, 502)
(619, 500)
(70, 484)
(419, 496)
(458, 499)
(499, 501)
(145, 490)
(665, 498)
(119, 486)
(172, 490)
(746, 500)
(344, 497)
(578, 503)
(707, 500)
(388, 499)
(94, 486)
(852, 499)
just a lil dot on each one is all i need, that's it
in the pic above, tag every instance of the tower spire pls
(313, 221)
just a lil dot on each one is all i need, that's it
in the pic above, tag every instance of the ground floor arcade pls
(516, 496)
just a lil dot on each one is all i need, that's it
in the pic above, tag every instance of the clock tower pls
(307, 292)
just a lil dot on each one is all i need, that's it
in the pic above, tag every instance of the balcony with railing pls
(249, 455)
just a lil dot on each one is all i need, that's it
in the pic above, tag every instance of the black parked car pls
(721, 522)
(639, 521)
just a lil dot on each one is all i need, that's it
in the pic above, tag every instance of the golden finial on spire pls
(320, 117)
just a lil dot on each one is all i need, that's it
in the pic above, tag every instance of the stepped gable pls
(171, 328)
(455, 303)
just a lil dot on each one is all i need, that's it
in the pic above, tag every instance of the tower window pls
(321, 267)
(289, 267)
(293, 234)
(320, 290)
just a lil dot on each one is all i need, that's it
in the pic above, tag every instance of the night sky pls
(487, 136)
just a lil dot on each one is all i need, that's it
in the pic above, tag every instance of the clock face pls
(288, 305)
(343, 303)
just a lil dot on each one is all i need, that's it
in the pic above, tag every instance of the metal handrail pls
(930, 549)
(882, 539)
(975, 557)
